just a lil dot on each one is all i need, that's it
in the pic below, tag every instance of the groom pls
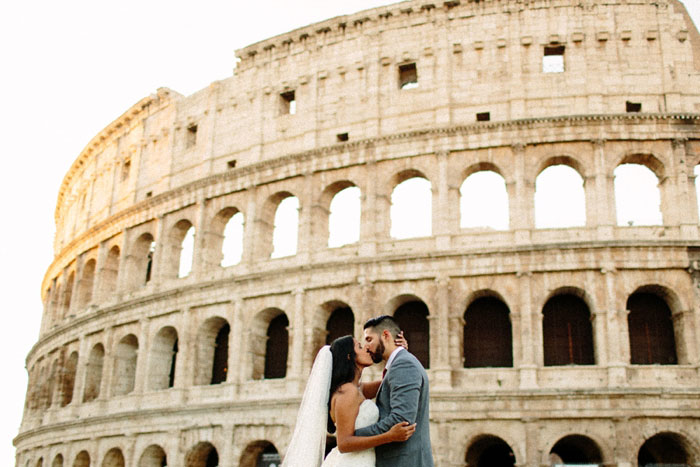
(403, 396)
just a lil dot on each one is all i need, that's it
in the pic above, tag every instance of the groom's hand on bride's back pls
(402, 431)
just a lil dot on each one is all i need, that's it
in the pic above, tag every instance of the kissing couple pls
(394, 431)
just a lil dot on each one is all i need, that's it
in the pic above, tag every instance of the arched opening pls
(560, 198)
(664, 450)
(86, 284)
(637, 196)
(232, 244)
(67, 295)
(411, 208)
(163, 358)
(344, 217)
(186, 253)
(277, 347)
(567, 331)
(575, 449)
(490, 451)
(82, 459)
(484, 201)
(153, 456)
(651, 332)
(488, 335)
(93, 374)
(340, 323)
(203, 454)
(109, 273)
(212, 351)
(412, 317)
(40, 462)
(260, 454)
(125, 356)
(140, 261)
(113, 458)
(68, 379)
(286, 228)
(57, 461)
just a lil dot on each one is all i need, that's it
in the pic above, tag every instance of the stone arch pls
(67, 295)
(667, 448)
(93, 373)
(161, 374)
(484, 198)
(489, 450)
(560, 195)
(341, 321)
(113, 458)
(140, 261)
(212, 351)
(86, 282)
(411, 313)
(653, 332)
(285, 231)
(109, 273)
(260, 453)
(225, 237)
(67, 379)
(488, 333)
(202, 454)
(637, 179)
(575, 449)
(564, 159)
(266, 355)
(82, 459)
(50, 384)
(58, 461)
(567, 331)
(411, 205)
(39, 462)
(153, 456)
(125, 359)
(179, 250)
(265, 224)
(342, 201)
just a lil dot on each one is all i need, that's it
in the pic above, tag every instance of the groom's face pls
(374, 345)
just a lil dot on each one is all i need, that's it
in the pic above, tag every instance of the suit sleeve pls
(404, 384)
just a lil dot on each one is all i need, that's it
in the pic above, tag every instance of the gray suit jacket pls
(403, 396)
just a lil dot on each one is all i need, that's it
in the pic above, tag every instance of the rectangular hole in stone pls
(231, 164)
(342, 137)
(288, 103)
(553, 59)
(483, 116)
(633, 106)
(408, 76)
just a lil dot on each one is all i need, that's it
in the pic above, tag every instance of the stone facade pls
(135, 364)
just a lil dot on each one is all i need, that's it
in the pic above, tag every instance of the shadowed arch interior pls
(651, 331)
(576, 449)
(567, 332)
(488, 335)
(277, 347)
(664, 449)
(412, 317)
(490, 451)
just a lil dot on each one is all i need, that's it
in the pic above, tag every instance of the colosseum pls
(207, 245)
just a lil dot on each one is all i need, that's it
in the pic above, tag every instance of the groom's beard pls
(377, 356)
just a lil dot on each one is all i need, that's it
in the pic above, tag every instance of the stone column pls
(107, 365)
(306, 221)
(684, 202)
(158, 265)
(235, 346)
(187, 350)
(686, 343)
(122, 280)
(440, 335)
(522, 219)
(601, 213)
(618, 334)
(142, 356)
(296, 338)
(251, 232)
(370, 226)
(530, 337)
(445, 220)
(199, 253)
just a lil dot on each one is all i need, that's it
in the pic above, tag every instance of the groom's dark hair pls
(380, 323)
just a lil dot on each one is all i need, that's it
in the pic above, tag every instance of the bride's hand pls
(401, 340)
(401, 431)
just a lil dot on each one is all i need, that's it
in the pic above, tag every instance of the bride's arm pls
(345, 412)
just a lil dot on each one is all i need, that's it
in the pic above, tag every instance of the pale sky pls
(69, 69)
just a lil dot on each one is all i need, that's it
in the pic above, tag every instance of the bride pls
(334, 387)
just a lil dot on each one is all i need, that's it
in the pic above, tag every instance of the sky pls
(69, 69)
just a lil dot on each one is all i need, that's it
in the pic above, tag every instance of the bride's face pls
(362, 357)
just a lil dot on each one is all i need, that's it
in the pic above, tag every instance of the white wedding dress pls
(366, 416)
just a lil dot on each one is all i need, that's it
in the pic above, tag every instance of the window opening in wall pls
(232, 246)
(231, 164)
(633, 106)
(191, 136)
(483, 116)
(149, 265)
(664, 450)
(567, 332)
(186, 254)
(277, 348)
(484, 201)
(650, 324)
(411, 209)
(344, 218)
(125, 170)
(408, 76)
(173, 360)
(149, 194)
(288, 103)
(575, 450)
(553, 59)
(220, 366)
(286, 229)
(560, 199)
(342, 137)
(488, 335)
(637, 196)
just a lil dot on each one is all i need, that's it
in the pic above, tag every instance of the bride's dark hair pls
(343, 352)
